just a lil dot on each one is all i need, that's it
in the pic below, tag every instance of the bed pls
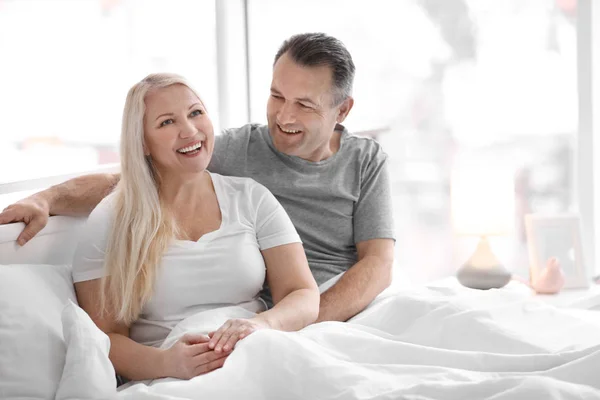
(439, 341)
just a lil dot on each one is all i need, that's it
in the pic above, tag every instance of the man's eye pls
(276, 96)
(167, 122)
(307, 107)
(195, 113)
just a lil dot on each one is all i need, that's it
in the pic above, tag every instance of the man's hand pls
(190, 357)
(224, 339)
(33, 211)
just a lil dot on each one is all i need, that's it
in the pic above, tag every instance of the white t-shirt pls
(223, 268)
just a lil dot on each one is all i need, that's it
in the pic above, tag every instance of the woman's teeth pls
(190, 148)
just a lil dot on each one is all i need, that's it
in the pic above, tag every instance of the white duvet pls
(428, 343)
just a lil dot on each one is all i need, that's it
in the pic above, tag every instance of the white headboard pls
(55, 244)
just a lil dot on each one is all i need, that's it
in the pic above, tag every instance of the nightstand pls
(587, 299)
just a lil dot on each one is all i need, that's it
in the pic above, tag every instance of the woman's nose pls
(188, 130)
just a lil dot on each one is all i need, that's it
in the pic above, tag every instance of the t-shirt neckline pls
(207, 237)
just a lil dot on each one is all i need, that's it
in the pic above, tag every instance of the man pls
(334, 186)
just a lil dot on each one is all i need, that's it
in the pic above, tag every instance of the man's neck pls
(332, 147)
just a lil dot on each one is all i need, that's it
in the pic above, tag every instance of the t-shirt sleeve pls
(373, 216)
(273, 226)
(88, 261)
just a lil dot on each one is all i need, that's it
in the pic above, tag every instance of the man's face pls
(300, 111)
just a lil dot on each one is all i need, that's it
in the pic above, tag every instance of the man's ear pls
(344, 109)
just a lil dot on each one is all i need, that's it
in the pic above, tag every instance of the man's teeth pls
(286, 131)
(190, 148)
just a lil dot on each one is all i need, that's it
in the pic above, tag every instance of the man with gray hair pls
(334, 185)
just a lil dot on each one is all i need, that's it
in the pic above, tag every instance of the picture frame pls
(559, 236)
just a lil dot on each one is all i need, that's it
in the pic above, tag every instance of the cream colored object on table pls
(482, 200)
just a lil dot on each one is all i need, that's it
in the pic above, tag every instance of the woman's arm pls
(294, 290)
(189, 357)
(295, 294)
(130, 359)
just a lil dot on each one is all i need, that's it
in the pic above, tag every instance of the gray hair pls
(316, 49)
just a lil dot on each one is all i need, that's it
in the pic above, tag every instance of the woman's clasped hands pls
(224, 339)
(191, 356)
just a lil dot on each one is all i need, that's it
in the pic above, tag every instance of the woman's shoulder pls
(244, 193)
(238, 184)
(103, 213)
(106, 205)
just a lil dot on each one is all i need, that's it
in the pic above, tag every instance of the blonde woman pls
(174, 239)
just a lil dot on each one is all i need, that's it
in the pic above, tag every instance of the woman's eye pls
(196, 113)
(167, 122)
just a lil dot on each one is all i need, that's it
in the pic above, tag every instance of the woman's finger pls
(198, 349)
(230, 344)
(224, 338)
(194, 338)
(245, 332)
(211, 365)
(206, 357)
(217, 335)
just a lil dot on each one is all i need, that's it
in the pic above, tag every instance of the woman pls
(174, 239)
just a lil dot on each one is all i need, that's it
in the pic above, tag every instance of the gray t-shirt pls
(334, 203)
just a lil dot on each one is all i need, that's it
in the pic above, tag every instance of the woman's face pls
(178, 133)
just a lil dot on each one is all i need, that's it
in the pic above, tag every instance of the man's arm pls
(373, 236)
(77, 197)
(361, 283)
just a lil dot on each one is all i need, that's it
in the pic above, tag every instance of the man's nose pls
(286, 114)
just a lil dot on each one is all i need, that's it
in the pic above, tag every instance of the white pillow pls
(32, 349)
(88, 372)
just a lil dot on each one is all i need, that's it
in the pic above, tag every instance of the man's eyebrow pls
(164, 115)
(303, 99)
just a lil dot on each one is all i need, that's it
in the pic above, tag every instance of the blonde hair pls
(143, 226)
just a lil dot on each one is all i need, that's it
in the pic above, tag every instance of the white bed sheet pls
(427, 343)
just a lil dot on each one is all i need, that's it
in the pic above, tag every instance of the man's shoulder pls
(232, 147)
(363, 148)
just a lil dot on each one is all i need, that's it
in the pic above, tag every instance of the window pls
(67, 67)
(441, 84)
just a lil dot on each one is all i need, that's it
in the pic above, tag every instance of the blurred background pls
(441, 84)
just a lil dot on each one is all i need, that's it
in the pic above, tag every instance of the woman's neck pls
(185, 190)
